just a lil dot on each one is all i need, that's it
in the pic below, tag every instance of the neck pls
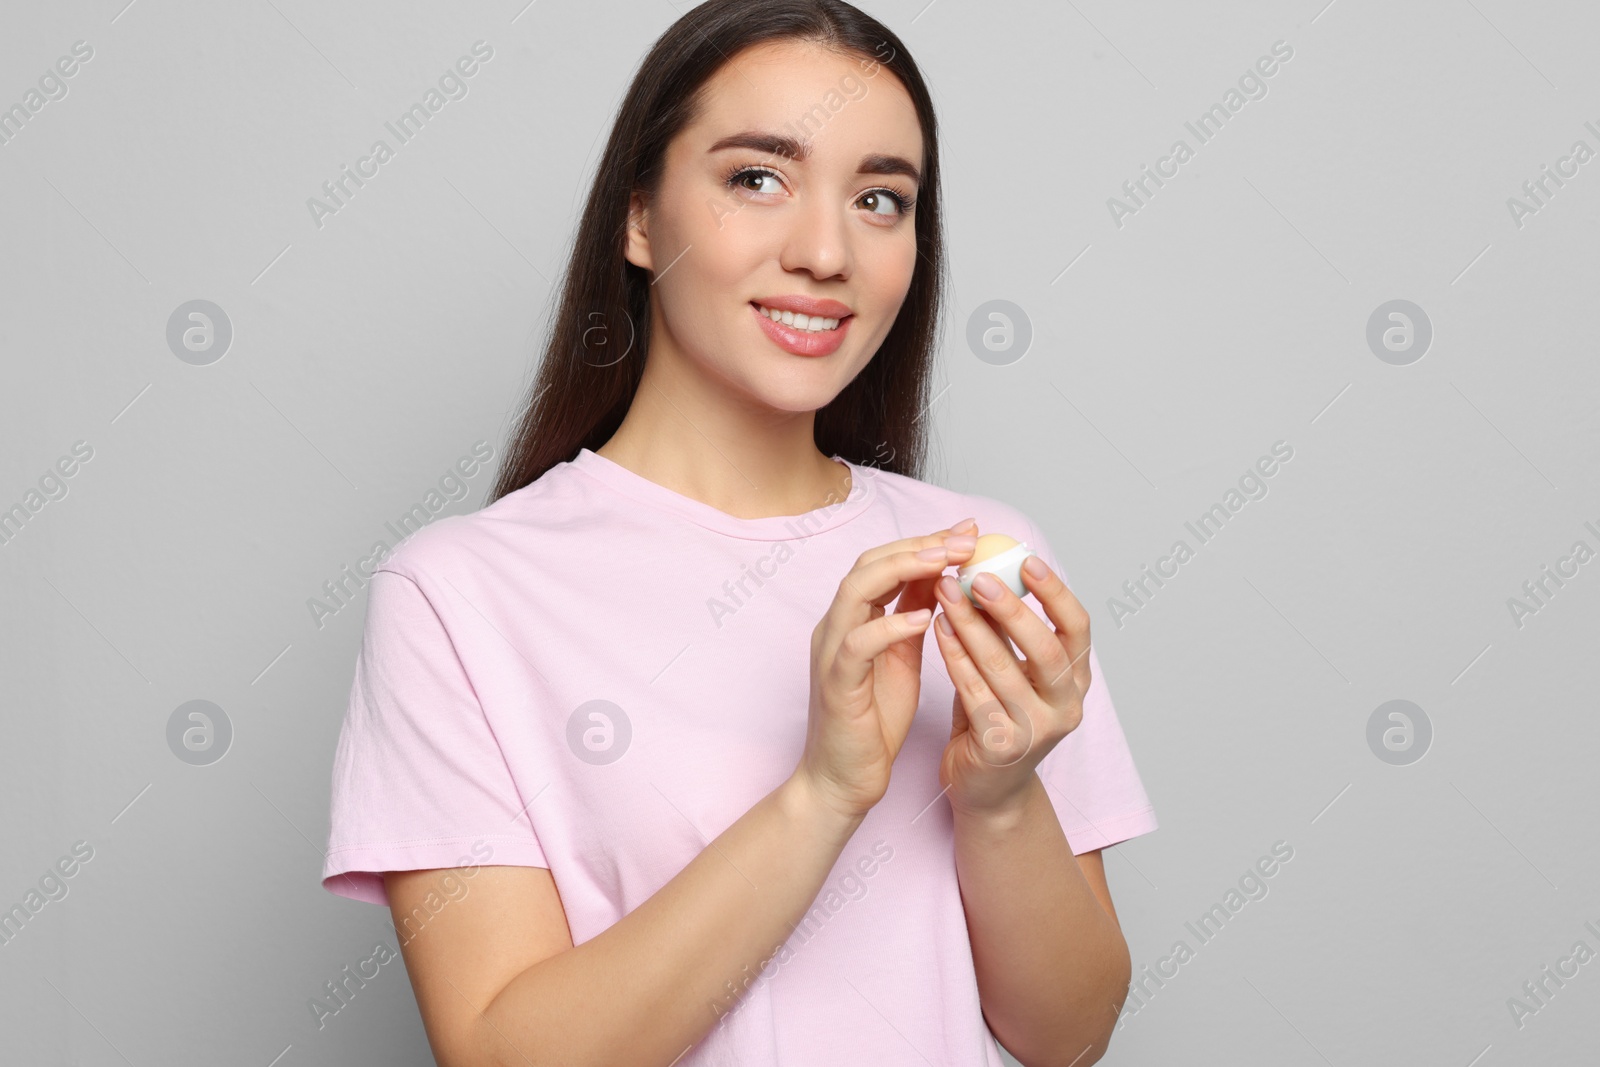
(748, 463)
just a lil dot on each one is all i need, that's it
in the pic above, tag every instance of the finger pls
(958, 703)
(1048, 664)
(919, 592)
(864, 644)
(880, 574)
(972, 689)
(1001, 729)
(1071, 621)
(987, 646)
(969, 527)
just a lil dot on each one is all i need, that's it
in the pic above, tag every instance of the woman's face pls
(740, 220)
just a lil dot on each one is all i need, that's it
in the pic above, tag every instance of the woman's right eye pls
(743, 175)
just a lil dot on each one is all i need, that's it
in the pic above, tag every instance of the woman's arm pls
(496, 989)
(1053, 968)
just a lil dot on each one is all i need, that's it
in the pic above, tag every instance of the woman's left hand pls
(1008, 714)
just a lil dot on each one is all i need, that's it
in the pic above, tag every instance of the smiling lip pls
(805, 305)
(805, 342)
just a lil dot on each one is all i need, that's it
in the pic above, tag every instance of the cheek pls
(890, 264)
(886, 269)
(711, 227)
(706, 266)
(723, 257)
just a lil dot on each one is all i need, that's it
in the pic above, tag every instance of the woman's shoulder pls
(520, 528)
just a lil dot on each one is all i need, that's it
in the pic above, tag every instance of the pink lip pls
(801, 342)
(805, 305)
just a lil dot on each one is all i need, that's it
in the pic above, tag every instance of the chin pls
(782, 381)
(797, 396)
(799, 402)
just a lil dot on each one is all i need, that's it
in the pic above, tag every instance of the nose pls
(818, 240)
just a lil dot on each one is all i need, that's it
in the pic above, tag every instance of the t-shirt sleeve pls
(419, 779)
(1090, 775)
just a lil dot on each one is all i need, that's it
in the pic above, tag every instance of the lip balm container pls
(1000, 556)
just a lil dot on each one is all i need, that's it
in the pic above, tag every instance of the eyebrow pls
(777, 144)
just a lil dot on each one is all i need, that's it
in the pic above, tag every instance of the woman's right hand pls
(866, 667)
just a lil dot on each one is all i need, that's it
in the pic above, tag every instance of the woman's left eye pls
(900, 202)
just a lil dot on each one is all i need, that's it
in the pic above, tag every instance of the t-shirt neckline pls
(767, 528)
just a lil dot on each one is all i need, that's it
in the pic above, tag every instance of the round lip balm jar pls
(1000, 556)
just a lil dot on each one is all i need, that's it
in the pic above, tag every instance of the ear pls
(637, 246)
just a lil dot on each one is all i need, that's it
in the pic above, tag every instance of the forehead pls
(839, 103)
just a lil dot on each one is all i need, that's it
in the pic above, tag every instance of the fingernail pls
(943, 624)
(1035, 566)
(949, 587)
(961, 543)
(963, 525)
(987, 585)
(936, 552)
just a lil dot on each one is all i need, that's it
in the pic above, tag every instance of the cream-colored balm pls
(1000, 556)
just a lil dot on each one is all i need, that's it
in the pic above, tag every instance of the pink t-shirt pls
(598, 675)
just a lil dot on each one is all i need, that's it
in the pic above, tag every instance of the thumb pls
(959, 723)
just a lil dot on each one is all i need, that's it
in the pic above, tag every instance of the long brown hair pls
(594, 361)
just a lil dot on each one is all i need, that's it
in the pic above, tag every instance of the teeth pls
(807, 323)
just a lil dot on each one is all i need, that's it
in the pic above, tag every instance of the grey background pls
(1168, 354)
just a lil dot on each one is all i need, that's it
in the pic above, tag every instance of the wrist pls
(807, 806)
(1006, 814)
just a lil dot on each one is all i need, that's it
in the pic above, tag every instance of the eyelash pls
(903, 200)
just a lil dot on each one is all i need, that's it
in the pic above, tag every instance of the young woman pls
(619, 745)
